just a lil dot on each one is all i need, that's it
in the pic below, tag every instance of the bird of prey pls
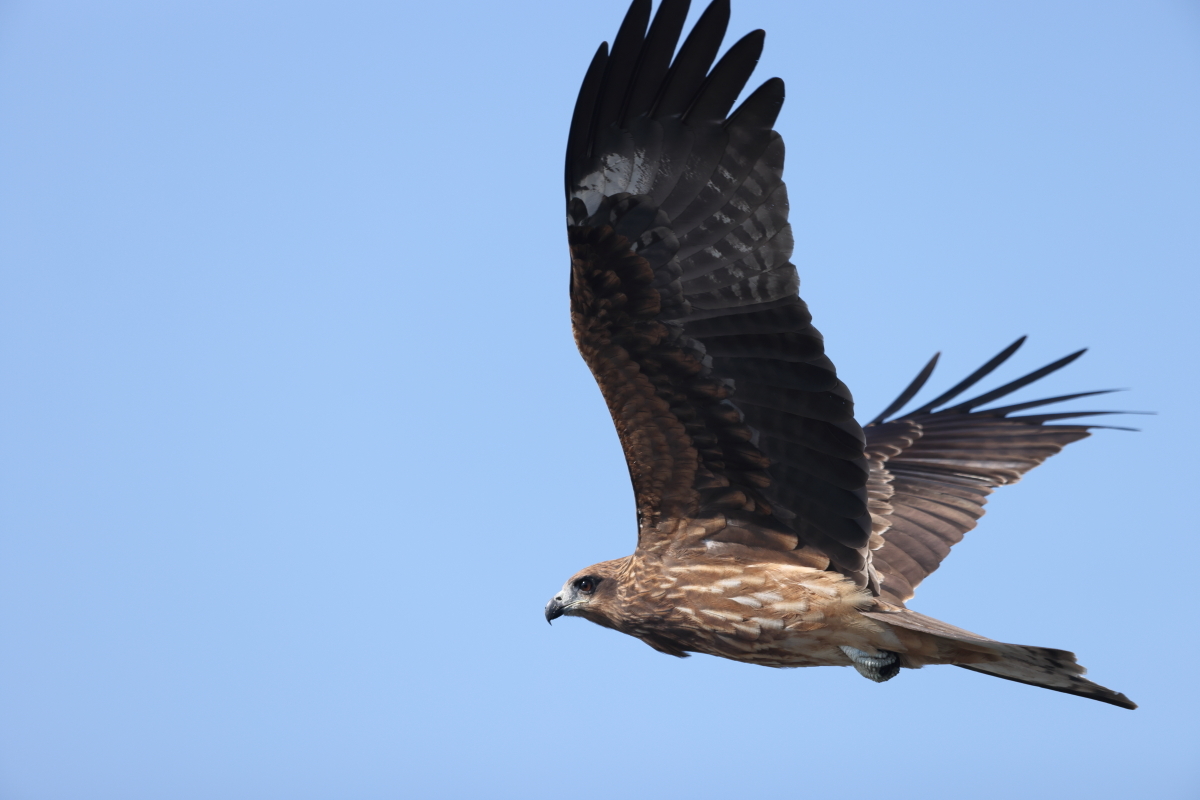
(773, 528)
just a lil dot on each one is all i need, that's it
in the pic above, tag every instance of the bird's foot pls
(880, 668)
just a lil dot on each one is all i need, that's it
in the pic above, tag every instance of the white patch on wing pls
(617, 172)
(642, 178)
(794, 607)
(768, 623)
(701, 568)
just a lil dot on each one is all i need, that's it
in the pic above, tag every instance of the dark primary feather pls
(909, 392)
(972, 379)
(932, 470)
(684, 301)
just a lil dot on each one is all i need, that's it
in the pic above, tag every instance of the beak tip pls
(553, 610)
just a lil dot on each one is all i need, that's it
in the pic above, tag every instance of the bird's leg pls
(880, 668)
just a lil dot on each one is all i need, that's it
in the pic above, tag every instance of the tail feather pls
(1056, 670)
(926, 641)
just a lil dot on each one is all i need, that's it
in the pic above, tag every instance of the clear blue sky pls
(296, 443)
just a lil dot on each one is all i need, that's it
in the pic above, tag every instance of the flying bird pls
(773, 528)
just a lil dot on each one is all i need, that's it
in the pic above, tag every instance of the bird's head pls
(590, 593)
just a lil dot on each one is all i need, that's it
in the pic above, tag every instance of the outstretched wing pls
(932, 470)
(684, 302)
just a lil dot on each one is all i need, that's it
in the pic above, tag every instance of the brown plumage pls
(772, 527)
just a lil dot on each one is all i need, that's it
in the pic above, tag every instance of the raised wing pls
(684, 302)
(932, 470)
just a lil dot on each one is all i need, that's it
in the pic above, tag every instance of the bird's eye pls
(585, 585)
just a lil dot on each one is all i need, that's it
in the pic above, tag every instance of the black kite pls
(772, 527)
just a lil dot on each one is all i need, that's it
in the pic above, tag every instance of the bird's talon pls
(880, 668)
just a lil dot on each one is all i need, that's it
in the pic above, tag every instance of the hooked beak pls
(554, 610)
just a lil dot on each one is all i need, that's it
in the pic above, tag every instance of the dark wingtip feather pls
(1041, 419)
(655, 59)
(972, 379)
(969, 406)
(693, 61)
(909, 391)
(579, 135)
(1004, 411)
(761, 108)
(622, 65)
(1012, 386)
(1038, 419)
(726, 81)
